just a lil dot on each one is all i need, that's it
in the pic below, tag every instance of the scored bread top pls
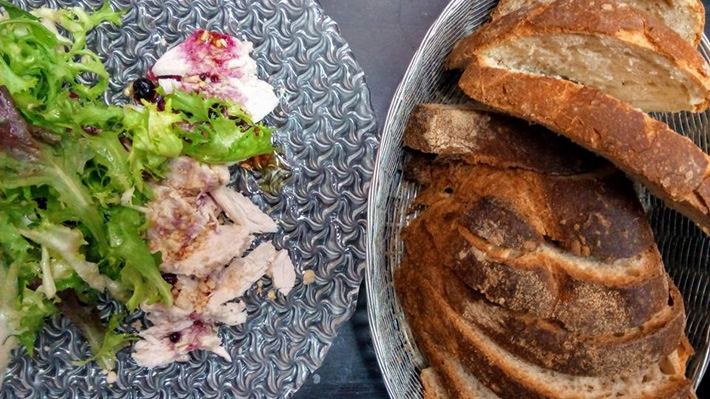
(559, 190)
(439, 328)
(497, 230)
(447, 374)
(571, 247)
(617, 318)
(600, 43)
(685, 17)
(668, 164)
(547, 343)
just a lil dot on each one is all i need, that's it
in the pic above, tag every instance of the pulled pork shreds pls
(205, 253)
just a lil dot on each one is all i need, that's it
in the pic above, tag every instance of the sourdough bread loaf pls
(562, 240)
(433, 320)
(449, 378)
(502, 232)
(475, 136)
(534, 277)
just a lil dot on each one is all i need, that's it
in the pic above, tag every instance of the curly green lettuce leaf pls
(9, 317)
(65, 244)
(22, 311)
(59, 167)
(113, 341)
(34, 309)
(77, 21)
(55, 78)
(209, 130)
(140, 270)
(15, 211)
(218, 131)
(105, 341)
(154, 139)
(108, 175)
(14, 11)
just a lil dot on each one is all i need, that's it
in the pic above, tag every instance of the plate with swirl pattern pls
(325, 131)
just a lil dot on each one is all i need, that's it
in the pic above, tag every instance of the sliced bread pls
(448, 378)
(575, 248)
(668, 164)
(466, 132)
(553, 347)
(509, 376)
(603, 44)
(545, 342)
(517, 262)
(432, 384)
(685, 17)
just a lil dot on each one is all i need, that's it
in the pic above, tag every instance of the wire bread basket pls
(685, 249)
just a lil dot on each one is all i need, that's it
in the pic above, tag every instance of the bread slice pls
(528, 272)
(579, 310)
(685, 17)
(475, 136)
(668, 164)
(449, 379)
(546, 342)
(432, 384)
(543, 243)
(603, 44)
(548, 345)
(422, 291)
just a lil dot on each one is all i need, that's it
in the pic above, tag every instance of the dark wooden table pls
(384, 34)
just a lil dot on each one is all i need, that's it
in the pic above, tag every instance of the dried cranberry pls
(170, 278)
(175, 337)
(144, 89)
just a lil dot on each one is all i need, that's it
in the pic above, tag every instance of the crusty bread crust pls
(572, 245)
(668, 164)
(506, 208)
(531, 263)
(693, 11)
(547, 344)
(607, 18)
(467, 133)
(448, 378)
(600, 350)
(434, 387)
(433, 320)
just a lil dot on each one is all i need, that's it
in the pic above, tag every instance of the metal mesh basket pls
(685, 249)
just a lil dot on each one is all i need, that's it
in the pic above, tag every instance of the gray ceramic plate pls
(326, 132)
(686, 251)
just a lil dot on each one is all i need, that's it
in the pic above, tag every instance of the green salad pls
(75, 176)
